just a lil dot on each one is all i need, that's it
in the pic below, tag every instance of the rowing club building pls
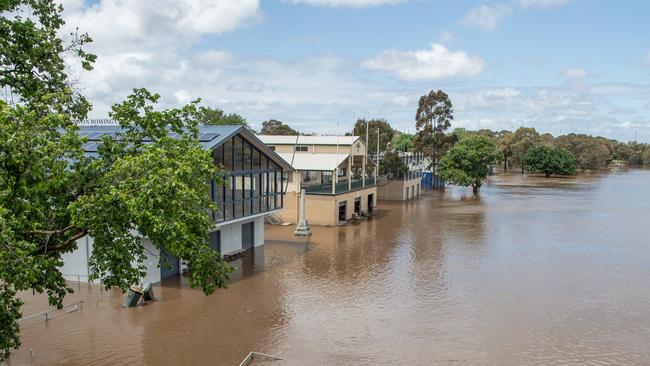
(338, 178)
(254, 175)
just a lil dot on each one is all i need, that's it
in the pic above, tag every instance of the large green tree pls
(402, 141)
(386, 134)
(393, 166)
(590, 152)
(275, 127)
(432, 118)
(549, 160)
(468, 162)
(523, 139)
(51, 194)
(216, 116)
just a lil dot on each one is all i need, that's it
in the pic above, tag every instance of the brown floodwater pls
(534, 272)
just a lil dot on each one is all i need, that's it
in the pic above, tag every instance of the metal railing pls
(47, 314)
(341, 187)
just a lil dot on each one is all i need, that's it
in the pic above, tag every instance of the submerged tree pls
(549, 160)
(468, 162)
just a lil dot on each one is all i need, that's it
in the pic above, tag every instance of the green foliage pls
(275, 127)
(156, 189)
(38, 142)
(386, 134)
(216, 116)
(32, 55)
(393, 166)
(549, 160)
(467, 162)
(590, 152)
(432, 118)
(523, 139)
(402, 141)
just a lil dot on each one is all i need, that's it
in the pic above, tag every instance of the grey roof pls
(210, 136)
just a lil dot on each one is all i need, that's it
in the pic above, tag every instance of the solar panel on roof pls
(208, 136)
(95, 135)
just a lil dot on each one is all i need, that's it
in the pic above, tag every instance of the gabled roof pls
(308, 140)
(317, 161)
(210, 136)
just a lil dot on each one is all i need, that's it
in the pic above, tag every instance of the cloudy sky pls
(558, 65)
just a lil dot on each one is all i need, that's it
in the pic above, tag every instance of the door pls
(357, 205)
(248, 236)
(165, 270)
(342, 210)
(371, 205)
(214, 239)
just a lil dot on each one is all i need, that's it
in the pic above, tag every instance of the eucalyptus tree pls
(432, 118)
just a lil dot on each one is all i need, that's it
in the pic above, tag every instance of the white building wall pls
(231, 235)
(75, 264)
(152, 261)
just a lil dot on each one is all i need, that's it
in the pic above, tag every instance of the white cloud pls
(429, 64)
(122, 25)
(401, 100)
(348, 3)
(542, 4)
(486, 16)
(574, 73)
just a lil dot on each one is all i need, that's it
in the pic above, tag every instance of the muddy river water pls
(534, 272)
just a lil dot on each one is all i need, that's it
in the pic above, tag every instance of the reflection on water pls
(534, 271)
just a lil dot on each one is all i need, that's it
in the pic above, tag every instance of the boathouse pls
(407, 185)
(335, 172)
(254, 175)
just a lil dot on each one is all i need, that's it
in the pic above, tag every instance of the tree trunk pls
(505, 162)
(475, 189)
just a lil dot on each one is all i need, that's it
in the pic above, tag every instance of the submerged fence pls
(54, 312)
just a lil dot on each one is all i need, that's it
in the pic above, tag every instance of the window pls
(302, 148)
(254, 181)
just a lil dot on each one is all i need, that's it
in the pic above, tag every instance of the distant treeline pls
(590, 152)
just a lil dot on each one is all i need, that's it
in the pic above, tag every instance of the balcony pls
(341, 187)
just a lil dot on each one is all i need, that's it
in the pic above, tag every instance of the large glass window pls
(227, 156)
(248, 152)
(239, 151)
(254, 181)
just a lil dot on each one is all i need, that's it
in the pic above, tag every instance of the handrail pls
(77, 306)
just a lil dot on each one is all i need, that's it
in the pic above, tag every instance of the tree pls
(37, 141)
(32, 66)
(393, 166)
(275, 127)
(216, 116)
(589, 152)
(505, 142)
(386, 134)
(402, 141)
(549, 160)
(432, 118)
(51, 194)
(467, 162)
(522, 140)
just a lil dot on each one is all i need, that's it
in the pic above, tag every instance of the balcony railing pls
(341, 187)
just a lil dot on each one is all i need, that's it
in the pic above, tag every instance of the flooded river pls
(534, 272)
